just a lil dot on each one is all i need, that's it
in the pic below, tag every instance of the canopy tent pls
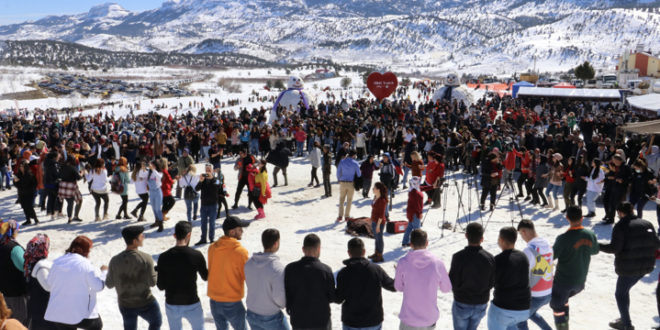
(500, 88)
(570, 93)
(516, 87)
(645, 127)
(648, 104)
(563, 85)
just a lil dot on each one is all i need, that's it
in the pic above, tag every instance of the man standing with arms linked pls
(177, 275)
(264, 276)
(359, 287)
(472, 276)
(133, 274)
(573, 250)
(511, 297)
(539, 256)
(310, 288)
(227, 259)
(633, 244)
(419, 275)
(347, 170)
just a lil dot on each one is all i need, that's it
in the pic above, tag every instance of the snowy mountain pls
(507, 34)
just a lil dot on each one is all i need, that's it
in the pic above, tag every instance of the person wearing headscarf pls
(12, 280)
(36, 270)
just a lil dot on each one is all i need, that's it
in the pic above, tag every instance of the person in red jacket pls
(491, 173)
(415, 207)
(525, 171)
(166, 187)
(435, 171)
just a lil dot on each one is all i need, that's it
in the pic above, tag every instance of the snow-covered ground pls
(297, 210)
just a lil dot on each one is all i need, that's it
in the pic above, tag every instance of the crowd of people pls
(538, 149)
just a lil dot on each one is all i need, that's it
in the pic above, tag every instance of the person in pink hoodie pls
(419, 275)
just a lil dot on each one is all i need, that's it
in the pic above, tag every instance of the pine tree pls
(585, 71)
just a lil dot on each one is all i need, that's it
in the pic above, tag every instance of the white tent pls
(649, 103)
(576, 93)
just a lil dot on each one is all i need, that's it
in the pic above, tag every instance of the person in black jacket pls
(633, 244)
(326, 169)
(26, 184)
(177, 275)
(359, 288)
(618, 178)
(472, 275)
(280, 158)
(642, 186)
(208, 186)
(51, 181)
(512, 296)
(310, 288)
(491, 173)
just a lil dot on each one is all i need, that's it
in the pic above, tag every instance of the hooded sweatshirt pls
(654, 159)
(539, 256)
(264, 276)
(226, 270)
(419, 275)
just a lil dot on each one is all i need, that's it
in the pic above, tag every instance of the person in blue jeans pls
(472, 275)
(511, 294)
(177, 275)
(378, 219)
(264, 277)
(415, 208)
(132, 273)
(540, 257)
(208, 186)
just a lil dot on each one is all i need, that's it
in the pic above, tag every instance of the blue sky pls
(16, 11)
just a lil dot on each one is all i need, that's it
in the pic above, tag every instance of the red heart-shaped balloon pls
(382, 85)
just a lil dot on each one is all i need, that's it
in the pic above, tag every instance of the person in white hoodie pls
(74, 282)
(539, 255)
(594, 186)
(264, 276)
(315, 158)
(98, 180)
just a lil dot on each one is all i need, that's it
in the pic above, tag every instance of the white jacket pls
(99, 181)
(141, 182)
(315, 157)
(73, 283)
(40, 271)
(596, 184)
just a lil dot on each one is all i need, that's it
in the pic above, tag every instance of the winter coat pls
(472, 275)
(633, 244)
(419, 275)
(38, 291)
(73, 282)
(310, 288)
(315, 157)
(359, 288)
(226, 258)
(264, 276)
(132, 273)
(280, 156)
(368, 169)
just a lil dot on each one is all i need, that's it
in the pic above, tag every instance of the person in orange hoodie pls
(226, 281)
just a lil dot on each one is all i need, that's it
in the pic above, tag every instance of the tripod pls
(513, 199)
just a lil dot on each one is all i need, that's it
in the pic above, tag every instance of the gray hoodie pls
(264, 276)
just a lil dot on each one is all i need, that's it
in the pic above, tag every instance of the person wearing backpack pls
(634, 243)
(119, 185)
(187, 182)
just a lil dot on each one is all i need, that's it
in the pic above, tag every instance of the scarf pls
(7, 230)
(36, 250)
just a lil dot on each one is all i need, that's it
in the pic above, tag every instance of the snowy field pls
(297, 210)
